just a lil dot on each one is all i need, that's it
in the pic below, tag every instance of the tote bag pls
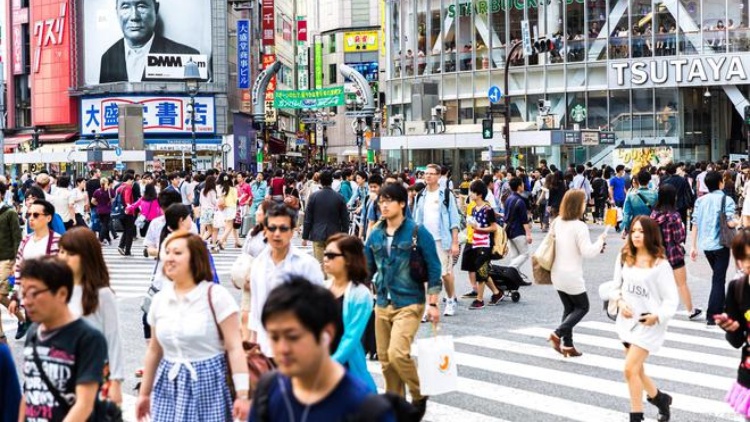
(436, 365)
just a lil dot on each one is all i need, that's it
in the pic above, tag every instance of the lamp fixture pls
(707, 94)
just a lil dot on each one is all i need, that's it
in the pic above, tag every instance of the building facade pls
(669, 78)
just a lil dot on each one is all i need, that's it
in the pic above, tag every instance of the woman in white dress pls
(647, 299)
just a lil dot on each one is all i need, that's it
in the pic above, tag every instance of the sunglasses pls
(331, 255)
(283, 229)
(35, 214)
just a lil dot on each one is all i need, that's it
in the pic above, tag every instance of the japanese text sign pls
(268, 22)
(318, 98)
(243, 54)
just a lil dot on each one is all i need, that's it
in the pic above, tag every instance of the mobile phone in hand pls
(643, 316)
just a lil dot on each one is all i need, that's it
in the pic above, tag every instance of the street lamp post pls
(192, 77)
(506, 128)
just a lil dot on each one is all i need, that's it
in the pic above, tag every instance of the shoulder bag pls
(103, 411)
(726, 233)
(257, 362)
(417, 264)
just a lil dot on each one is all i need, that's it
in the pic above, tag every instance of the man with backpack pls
(685, 197)
(517, 224)
(301, 320)
(640, 202)
(436, 210)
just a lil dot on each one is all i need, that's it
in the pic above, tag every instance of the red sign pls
(268, 22)
(51, 26)
(268, 59)
(19, 16)
(302, 31)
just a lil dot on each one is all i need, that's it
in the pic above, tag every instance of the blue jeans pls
(719, 261)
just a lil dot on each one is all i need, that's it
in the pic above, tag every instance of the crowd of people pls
(385, 247)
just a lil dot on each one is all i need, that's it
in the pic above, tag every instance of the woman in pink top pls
(147, 206)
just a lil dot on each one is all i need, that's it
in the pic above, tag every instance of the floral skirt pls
(739, 398)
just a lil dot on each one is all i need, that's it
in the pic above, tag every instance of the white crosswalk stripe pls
(522, 374)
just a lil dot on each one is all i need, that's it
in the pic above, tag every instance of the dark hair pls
(35, 191)
(3, 189)
(739, 243)
(487, 179)
(580, 168)
(63, 182)
(643, 178)
(375, 179)
(168, 197)
(667, 198)
(79, 180)
(326, 178)
(226, 182)
(127, 177)
(712, 180)
(395, 192)
(651, 240)
(49, 209)
(83, 242)
(281, 210)
(354, 255)
(173, 175)
(362, 174)
(265, 205)
(149, 192)
(200, 263)
(50, 270)
(619, 168)
(514, 183)
(209, 185)
(314, 306)
(479, 188)
(172, 217)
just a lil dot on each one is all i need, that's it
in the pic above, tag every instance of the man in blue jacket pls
(401, 299)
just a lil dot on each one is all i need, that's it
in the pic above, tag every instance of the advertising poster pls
(120, 35)
(636, 158)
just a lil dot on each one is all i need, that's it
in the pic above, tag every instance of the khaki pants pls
(394, 333)
(318, 249)
(6, 269)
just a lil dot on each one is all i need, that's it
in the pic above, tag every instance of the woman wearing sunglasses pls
(344, 260)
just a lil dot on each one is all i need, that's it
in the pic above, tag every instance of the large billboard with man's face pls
(144, 40)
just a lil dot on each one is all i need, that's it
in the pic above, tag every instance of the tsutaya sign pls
(683, 71)
(482, 7)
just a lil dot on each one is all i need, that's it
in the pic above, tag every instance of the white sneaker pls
(424, 316)
(450, 307)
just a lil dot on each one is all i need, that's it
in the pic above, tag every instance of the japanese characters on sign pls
(243, 54)
(318, 98)
(160, 114)
(357, 42)
(268, 20)
(269, 59)
(302, 31)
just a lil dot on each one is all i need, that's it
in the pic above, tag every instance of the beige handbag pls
(545, 253)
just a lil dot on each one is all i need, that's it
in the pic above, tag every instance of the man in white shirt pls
(271, 268)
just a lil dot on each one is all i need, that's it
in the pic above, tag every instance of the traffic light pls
(747, 114)
(487, 128)
(543, 45)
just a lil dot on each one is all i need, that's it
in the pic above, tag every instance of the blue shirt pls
(618, 188)
(706, 219)
(343, 401)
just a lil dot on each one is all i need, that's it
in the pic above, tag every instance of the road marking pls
(675, 337)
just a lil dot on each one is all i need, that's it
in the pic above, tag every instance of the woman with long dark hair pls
(208, 203)
(93, 298)
(227, 209)
(344, 260)
(646, 297)
(557, 188)
(148, 207)
(673, 235)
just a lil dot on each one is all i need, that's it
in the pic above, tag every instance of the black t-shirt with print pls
(71, 355)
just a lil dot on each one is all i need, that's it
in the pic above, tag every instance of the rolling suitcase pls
(247, 225)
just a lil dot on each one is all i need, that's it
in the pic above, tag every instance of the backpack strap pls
(371, 409)
(262, 394)
(50, 387)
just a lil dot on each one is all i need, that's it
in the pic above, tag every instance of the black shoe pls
(662, 401)
(421, 407)
(22, 328)
(145, 252)
(471, 294)
(710, 323)
(636, 417)
(696, 313)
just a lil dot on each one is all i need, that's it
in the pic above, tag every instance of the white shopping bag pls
(436, 365)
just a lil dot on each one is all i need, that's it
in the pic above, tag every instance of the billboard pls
(318, 98)
(162, 115)
(243, 54)
(50, 26)
(360, 41)
(121, 36)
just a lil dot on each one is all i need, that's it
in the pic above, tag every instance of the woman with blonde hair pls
(572, 244)
(646, 298)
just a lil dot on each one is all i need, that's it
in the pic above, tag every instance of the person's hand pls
(13, 307)
(455, 249)
(649, 320)
(115, 393)
(693, 255)
(529, 239)
(433, 314)
(241, 409)
(304, 243)
(625, 310)
(143, 408)
(725, 323)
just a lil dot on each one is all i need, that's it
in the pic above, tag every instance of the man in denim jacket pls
(442, 222)
(400, 299)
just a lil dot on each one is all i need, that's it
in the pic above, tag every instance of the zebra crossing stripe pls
(675, 337)
(527, 399)
(589, 359)
(696, 326)
(615, 344)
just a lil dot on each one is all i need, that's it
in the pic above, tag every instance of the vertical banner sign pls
(268, 23)
(20, 17)
(243, 54)
(268, 59)
(318, 62)
(302, 68)
(301, 31)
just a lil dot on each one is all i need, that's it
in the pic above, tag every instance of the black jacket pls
(685, 197)
(114, 68)
(325, 215)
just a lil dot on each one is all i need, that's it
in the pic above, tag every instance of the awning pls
(276, 145)
(14, 141)
(57, 137)
(57, 147)
(350, 152)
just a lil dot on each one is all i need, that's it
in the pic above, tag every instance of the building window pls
(332, 73)
(332, 43)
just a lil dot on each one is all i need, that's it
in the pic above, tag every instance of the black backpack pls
(197, 194)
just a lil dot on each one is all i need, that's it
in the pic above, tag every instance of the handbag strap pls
(50, 387)
(414, 237)
(213, 312)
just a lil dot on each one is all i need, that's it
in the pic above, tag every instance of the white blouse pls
(185, 327)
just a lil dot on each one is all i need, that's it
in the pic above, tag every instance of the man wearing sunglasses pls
(275, 264)
(41, 241)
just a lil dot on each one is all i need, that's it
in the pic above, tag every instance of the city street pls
(507, 371)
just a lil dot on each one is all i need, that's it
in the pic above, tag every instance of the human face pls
(390, 208)
(177, 260)
(636, 235)
(239, 179)
(37, 218)
(295, 349)
(187, 223)
(374, 188)
(260, 215)
(137, 20)
(431, 176)
(259, 177)
(334, 262)
(360, 180)
(281, 236)
(40, 303)
(73, 261)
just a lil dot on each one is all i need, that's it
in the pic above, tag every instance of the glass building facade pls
(671, 72)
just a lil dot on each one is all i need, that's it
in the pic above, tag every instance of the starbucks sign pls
(483, 7)
(578, 113)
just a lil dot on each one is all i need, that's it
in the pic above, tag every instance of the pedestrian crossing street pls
(516, 376)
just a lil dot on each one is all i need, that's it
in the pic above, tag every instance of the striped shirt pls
(484, 217)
